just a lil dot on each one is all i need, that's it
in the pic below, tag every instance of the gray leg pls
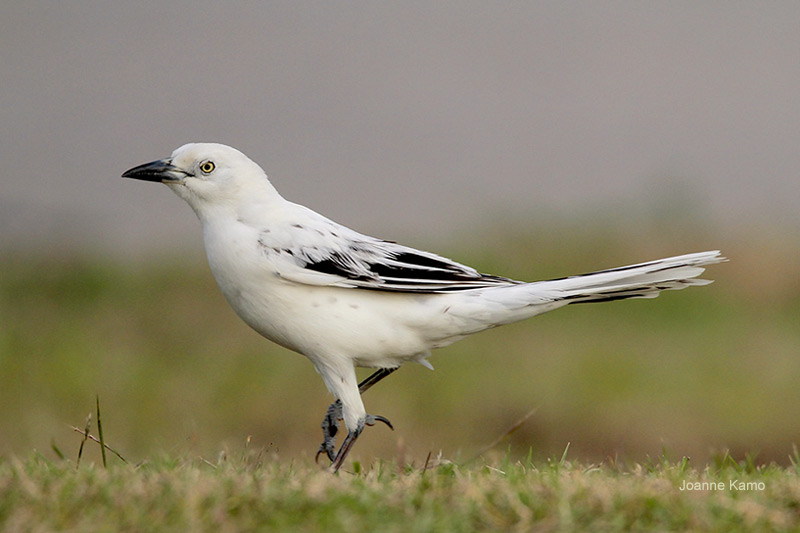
(330, 423)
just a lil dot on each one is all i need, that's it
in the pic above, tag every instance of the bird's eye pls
(207, 167)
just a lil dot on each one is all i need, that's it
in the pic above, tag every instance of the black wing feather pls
(401, 269)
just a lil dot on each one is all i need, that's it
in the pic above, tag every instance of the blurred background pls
(528, 139)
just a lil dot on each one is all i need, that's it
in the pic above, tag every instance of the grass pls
(708, 374)
(256, 492)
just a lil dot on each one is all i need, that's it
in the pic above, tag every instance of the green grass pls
(257, 492)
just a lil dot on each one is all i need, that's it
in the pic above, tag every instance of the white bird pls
(344, 299)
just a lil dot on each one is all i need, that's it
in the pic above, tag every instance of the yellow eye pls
(207, 167)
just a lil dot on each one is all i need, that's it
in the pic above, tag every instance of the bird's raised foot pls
(371, 419)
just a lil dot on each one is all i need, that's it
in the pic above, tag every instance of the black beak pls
(162, 170)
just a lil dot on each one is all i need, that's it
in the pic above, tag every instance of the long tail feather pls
(644, 280)
(488, 308)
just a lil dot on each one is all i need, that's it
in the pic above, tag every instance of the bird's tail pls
(643, 280)
(503, 305)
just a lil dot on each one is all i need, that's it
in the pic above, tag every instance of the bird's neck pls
(249, 208)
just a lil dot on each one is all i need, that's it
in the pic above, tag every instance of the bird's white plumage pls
(345, 299)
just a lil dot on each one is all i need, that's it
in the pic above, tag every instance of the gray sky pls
(393, 117)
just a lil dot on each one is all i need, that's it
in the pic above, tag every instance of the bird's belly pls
(316, 321)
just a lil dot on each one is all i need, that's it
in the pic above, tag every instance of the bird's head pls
(207, 176)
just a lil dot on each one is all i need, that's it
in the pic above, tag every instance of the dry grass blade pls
(87, 435)
(515, 426)
(427, 462)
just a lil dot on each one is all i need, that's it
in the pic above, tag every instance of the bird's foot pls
(369, 420)
(330, 427)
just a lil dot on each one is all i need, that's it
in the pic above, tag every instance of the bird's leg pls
(351, 437)
(330, 423)
(330, 426)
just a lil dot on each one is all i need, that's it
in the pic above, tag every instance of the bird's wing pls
(328, 254)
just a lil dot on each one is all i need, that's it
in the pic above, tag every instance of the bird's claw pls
(371, 419)
(330, 427)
